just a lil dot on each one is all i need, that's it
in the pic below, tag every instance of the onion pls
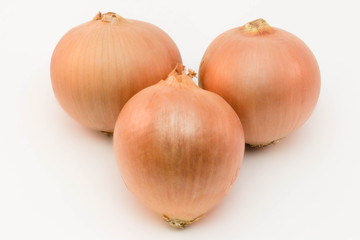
(269, 76)
(179, 148)
(98, 66)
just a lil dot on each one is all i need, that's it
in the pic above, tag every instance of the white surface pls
(59, 180)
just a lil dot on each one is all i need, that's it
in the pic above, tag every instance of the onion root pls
(109, 134)
(178, 223)
(265, 144)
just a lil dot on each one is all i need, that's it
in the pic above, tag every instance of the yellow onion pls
(179, 148)
(269, 76)
(99, 65)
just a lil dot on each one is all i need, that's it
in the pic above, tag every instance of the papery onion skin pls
(269, 76)
(99, 65)
(179, 148)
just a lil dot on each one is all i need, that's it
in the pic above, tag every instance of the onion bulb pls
(99, 65)
(179, 148)
(269, 76)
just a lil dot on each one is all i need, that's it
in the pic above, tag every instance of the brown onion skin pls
(269, 76)
(179, 148)
(99, 65)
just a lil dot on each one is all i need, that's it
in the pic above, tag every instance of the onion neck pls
(109, 17)
(258, 27)
(178, 77)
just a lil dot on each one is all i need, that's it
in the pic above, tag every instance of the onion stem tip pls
(179, 69)
(258, 26)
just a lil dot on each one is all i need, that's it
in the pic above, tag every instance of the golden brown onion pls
(179, 148)
(269, 76)
(98, 66)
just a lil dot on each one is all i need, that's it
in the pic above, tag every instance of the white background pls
(59, 180)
